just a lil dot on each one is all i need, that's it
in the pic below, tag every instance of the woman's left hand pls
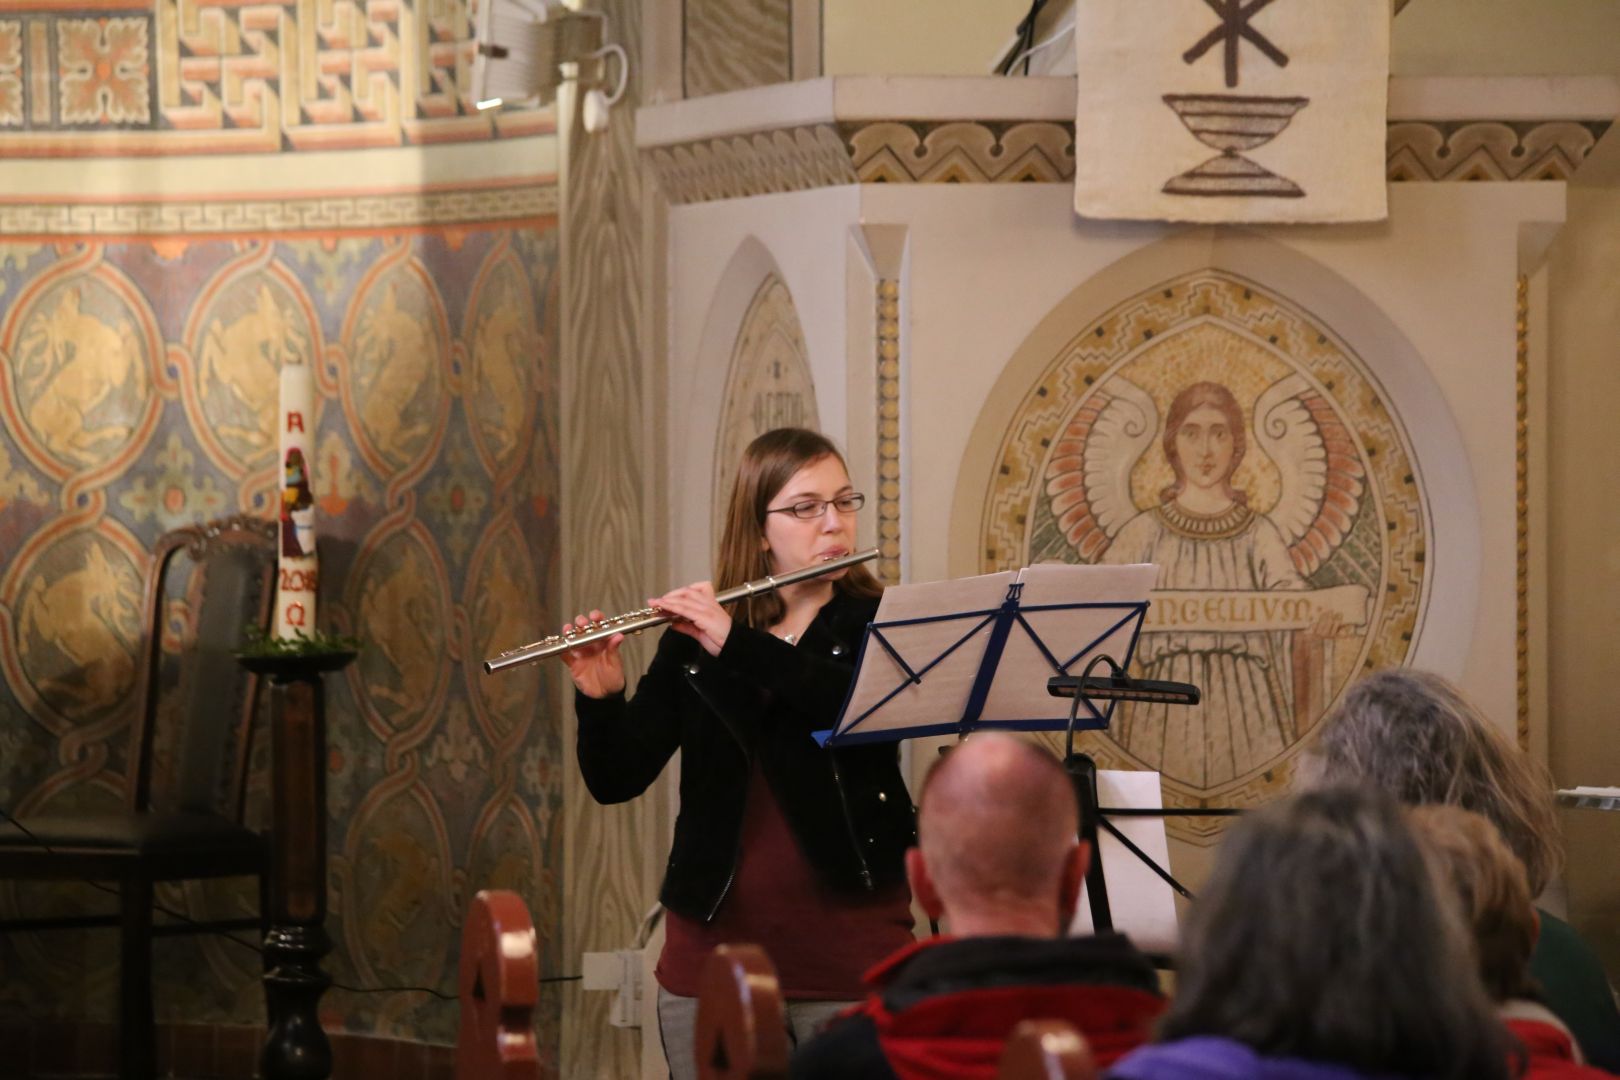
(698, 615)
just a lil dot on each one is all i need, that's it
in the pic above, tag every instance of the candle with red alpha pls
(297, 575)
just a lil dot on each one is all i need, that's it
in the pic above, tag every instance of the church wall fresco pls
(769, 384)
(138, 380)
(1211, 426)
(198, 193)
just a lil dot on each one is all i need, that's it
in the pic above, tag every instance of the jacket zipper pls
(736, 850)
(849, 824)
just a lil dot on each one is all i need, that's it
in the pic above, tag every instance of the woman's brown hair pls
(1323, 934)
(1413, 734)
(768, 463)
(1470, 855)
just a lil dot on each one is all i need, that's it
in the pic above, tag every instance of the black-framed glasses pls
(811, 509)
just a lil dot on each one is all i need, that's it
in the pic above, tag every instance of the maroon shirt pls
(821, 942)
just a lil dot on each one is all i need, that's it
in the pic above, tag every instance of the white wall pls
(1584, 550)
(1430, 37)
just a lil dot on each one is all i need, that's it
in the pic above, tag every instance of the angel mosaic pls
(1247, 606)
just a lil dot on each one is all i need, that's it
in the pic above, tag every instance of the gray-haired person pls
(1323, 948)
(1414, 735)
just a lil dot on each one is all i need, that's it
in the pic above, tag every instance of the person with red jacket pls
(1468, 851)
(999, 863)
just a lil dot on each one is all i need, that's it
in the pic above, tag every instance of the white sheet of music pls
(1141, 904)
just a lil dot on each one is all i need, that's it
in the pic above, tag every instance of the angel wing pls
(1088, 477)
(1323, 478)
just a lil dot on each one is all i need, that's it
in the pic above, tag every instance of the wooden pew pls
(741, 1025)
(499, 988)
(1046, 1050)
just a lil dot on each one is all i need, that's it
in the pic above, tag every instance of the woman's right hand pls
(596, 669)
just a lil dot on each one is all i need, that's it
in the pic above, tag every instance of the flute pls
(634, 622)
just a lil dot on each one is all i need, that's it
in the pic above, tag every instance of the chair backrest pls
(197, 704)
(1046, 1050)
(741, 1026)
(499, 987)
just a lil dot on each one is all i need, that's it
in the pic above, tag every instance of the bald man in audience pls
(999, 863)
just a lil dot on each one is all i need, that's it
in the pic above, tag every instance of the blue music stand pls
(1042, 619)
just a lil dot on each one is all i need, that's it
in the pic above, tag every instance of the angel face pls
(1205, 447)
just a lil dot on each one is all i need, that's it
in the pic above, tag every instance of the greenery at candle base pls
(261, 643)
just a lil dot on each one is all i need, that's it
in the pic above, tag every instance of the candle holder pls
(296, 1048)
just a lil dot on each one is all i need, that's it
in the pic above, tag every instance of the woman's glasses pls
(811, 509)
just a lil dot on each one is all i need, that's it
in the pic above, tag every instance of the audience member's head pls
(996, 833)
(1412, 734)
(1469, 853)
(1323, 935)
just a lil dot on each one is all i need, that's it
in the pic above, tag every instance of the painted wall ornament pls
(769, 384)
(140, 388)
(1214, 429)
(1304, 82)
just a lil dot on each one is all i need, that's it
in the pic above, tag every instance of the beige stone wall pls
(916, 37)
(1506, 37)
(1431, 37)
(1584, 547)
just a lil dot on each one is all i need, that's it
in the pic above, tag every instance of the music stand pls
(1117, 686)
(949, 657)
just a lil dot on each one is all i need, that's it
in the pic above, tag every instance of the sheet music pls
(1065, 632)
(884, 699)
(944, 690)
(1141, 904)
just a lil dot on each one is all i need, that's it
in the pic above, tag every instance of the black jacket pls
(759, 700)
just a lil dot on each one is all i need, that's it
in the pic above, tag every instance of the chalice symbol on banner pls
(1231, 123)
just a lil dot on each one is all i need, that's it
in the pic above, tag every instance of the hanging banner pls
(1232, 110)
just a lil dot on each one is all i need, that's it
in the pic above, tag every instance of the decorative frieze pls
(193, 217)
(1042, 151)
(1490, 149)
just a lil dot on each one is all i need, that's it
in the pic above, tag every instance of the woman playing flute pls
(778, 842)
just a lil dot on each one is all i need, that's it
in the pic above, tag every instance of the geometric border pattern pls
(37, 218)
(1000, 152)
(1490, 150)
(1521, 497)
(111, 78)
(888, 428)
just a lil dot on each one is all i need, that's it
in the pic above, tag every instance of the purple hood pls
(1206, 1058)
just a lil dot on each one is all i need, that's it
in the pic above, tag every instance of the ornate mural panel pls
(768, 384)
(116, 77)
(139, 381)
(1214, 428)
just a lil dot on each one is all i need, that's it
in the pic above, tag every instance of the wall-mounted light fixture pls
(522, 47)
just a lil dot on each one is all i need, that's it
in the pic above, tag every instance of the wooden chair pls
(1046, 1050)
(184, 813)
(741, 1026)
(499, 988)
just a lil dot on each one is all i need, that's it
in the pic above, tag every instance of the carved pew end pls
(499, 987)
(741, 1024)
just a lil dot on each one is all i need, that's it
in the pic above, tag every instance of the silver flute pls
(634, 622)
